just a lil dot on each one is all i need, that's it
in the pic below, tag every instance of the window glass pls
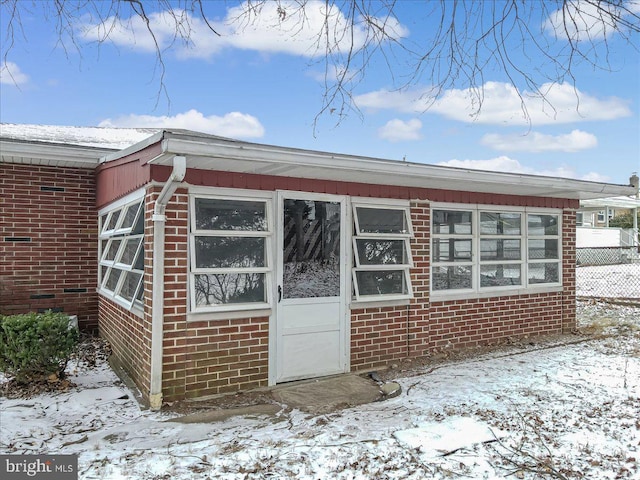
(499, 249)
(121, 268)
(500, 223)
(452, 222)
(229, 288)
(543, 248)
(451, 277)
(230, 252)
(382, 220)
(381, 282)
(543, 224)
(544, 273)
(381, 252)
(451, 250)
(499, 275)
(224, 214)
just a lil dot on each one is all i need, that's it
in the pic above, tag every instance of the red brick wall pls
(48, 241)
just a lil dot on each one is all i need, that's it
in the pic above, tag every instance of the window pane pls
(542, 248)
(544, 273)
(499, 223)
(112, 250)
(543, 224)
(229, 288)
(382, 220)
(381, 282)
(216, 214)
(500, 275)
(130, 285)
(381, 252)
(130, 215)
(451, 250)
(451, 278)
(130, 249)
(452, 222)
(499, 249)
(229, 252)
(112, 279)
(311, 249)
(113, 220)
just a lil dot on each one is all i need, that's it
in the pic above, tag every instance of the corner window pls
(229, 244)
(478, 249)
(382, 255)
(121, 247)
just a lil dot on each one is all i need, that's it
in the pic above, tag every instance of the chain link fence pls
(611, 273)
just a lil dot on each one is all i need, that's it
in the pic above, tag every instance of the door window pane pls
(311, 249)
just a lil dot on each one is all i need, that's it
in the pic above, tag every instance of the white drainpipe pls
(157, 298)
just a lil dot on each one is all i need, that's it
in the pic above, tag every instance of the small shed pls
(219, 265)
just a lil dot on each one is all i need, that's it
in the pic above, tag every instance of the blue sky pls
(261, 84)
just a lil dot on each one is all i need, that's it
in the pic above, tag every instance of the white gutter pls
(157, 299)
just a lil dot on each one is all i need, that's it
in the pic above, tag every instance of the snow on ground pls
(613, 281)
(567, 410)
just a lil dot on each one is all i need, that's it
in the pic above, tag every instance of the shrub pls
(35, 345)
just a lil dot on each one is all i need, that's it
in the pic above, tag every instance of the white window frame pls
(405, 237)
(476, 291)
(267, 234)
(123, 235)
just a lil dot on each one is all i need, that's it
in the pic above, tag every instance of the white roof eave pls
(50, 154)
(234, 156)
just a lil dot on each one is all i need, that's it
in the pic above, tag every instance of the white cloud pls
(397, 130)
(233, 124)
(11, 74)
(583, 20)
(306, 31)
(501, 104)
(509, 165)
(539, 142)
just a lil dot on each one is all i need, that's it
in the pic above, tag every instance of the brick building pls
(217, 265)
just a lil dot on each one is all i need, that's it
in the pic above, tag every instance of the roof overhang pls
(612, 202)
(209, 152)
(50, 154)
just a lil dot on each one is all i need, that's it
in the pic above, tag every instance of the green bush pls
(35, 345)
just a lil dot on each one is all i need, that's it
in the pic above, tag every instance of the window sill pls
(228, 315)
(107, 296)
(402, 302)
(444, 297)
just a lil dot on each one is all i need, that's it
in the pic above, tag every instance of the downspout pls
(157, 298)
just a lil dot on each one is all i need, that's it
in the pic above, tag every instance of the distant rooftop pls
(102, 137)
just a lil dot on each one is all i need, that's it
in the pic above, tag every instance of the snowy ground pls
(612, 281)
(549, 410)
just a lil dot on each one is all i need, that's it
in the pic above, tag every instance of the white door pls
(311, 286)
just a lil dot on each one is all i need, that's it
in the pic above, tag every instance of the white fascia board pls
(615, 202)
(50, 154)
(329, 166)
(155, 138)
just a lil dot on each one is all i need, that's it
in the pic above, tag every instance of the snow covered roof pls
(54, 145)
(100, 137)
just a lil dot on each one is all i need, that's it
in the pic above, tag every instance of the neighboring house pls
(224, 265)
